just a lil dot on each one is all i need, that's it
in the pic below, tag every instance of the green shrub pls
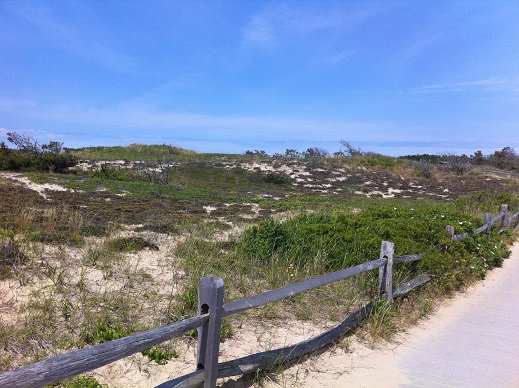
(80, 382)
(267, 238)
(277, 179)
(116, 173)
(342, 240)
(52, 162)
(55, 236)
(103, 332)
(129, 244)
(47, 161)
(160, 356)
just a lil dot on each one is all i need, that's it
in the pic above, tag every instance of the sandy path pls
(471, 341)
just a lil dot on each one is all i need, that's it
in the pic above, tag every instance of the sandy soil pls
(38, 187)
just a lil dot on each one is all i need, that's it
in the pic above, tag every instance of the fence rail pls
(296, 288)
(67, 365)
(504, 216)
(211, 310)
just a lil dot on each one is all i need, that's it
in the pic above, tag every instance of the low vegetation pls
(30, 155)
(121, 246)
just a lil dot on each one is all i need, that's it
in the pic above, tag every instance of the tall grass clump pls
(11, 254)
(116, 173)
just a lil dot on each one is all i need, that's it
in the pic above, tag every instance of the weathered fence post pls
(385, 273)
(505, 223)
(488, 222)
(450, 230)
(210, 300)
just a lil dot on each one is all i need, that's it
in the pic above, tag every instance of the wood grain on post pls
(385, 274)
(210, 300)
(505, 223)
(407, 258)
(488, 222)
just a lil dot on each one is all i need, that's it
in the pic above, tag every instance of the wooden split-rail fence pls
(505, 218)
(211, 310)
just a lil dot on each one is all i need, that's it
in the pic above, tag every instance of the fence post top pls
(211, 280)
(387, 245)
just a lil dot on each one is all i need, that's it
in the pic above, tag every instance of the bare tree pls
(292, 153)
(315, 152)
(24, 142)
(349, 149)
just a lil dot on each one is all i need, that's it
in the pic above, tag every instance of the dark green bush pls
(52, 162)
(277, 179)
(267, 238)
(47, 161)
(103, 332)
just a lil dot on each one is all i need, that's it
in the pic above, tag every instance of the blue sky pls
(395, 77)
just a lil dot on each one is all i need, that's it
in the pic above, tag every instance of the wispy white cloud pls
(278, 24)
(260, 32)
(339, 57)
(8, 104)
(237, 127)
(410, 53)
(490, 84)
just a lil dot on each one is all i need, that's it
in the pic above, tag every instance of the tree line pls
(505, 159)
(30, 154)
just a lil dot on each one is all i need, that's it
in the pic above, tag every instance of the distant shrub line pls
(16, 160)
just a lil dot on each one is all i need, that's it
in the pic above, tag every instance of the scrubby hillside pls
(118, 243)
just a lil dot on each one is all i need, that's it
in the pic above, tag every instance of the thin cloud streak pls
(279, 24)
(491, 84)
(74, 39)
